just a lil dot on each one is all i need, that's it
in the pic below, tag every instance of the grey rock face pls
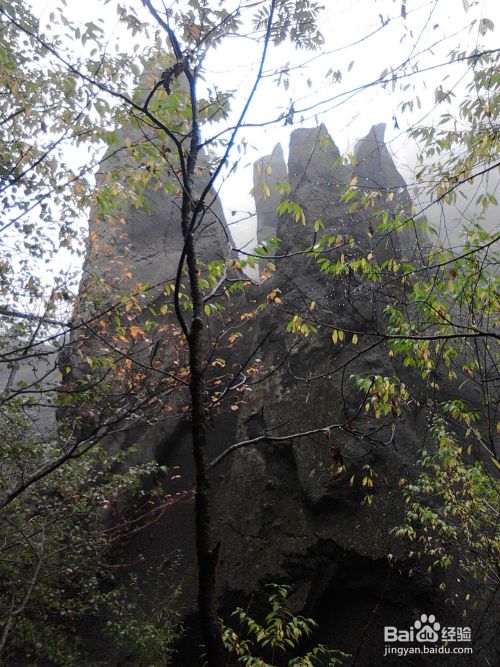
(29, 380)
(375, 167)
(307, 392)
(376, 172)
(135, 253)
(34, 375)
(316, 179)
(143, 244)
(294, 511)
(268, 173)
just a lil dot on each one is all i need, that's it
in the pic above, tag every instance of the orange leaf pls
(136, 331)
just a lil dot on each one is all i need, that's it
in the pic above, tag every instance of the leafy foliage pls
(441, 310)
(54, 564)
(452, 510)
(279, 637)
(45, 112)
(465, 145)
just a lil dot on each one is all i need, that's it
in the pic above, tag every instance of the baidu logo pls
(427, 629)
(427, 636)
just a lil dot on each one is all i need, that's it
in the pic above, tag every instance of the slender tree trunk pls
(206, 553)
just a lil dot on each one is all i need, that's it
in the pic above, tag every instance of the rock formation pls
(294, 510)
(34, 376)
(289, 511)
(268, 173)
(143, 241)
(132, 258)
(375, 171)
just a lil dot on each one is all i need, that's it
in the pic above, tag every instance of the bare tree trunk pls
(206, 554)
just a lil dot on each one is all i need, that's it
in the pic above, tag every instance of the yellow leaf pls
(335, 336)
(354, 339)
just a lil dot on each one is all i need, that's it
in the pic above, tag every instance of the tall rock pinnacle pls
(268, 172)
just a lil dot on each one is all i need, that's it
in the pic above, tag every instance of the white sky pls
(431, 30)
